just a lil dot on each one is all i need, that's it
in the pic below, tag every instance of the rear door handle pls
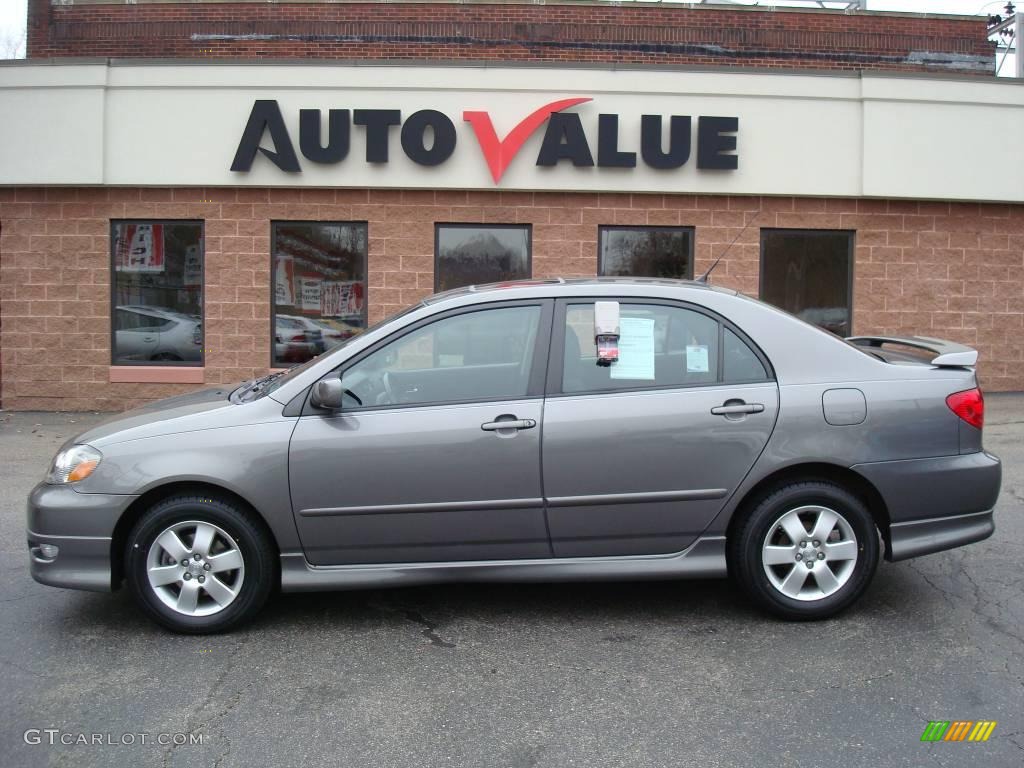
(513, 423)
(737, 409)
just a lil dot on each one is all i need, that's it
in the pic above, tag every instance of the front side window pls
(474, 356)
(646, 252)
(157, 292)
(809, 274)
(318, 271)
(470, 254)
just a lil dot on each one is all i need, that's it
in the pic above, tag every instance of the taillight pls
(300, 337)
(969, 405)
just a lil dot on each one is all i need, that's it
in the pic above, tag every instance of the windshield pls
(266, 385)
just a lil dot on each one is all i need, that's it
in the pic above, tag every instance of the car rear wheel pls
(199, 564)
(806, 551)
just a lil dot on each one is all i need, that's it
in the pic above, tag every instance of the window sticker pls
(636, 349)
(696, 358)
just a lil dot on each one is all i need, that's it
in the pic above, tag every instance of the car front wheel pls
(806, 551)
(199, 564)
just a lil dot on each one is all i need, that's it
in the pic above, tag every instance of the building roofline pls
(490, 64)
(682, 4)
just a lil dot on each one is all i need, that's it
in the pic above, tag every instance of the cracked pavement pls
(624, 674)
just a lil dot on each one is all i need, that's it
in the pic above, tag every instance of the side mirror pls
(327, 394)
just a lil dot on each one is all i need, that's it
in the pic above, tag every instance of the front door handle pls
(502, 423)
(734, 408)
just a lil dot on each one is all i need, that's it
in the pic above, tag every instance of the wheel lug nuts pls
(803, 544)
(821, 555)
(810, 563)
(206, 566)
(799, 556)
(197, 556)
(202, 579)
(184, 563)
(188, 576)
(817, 543)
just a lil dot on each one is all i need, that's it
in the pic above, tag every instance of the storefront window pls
(157, 294)
(471, 254)
(646, 252)
(319, 280)
(809, 273)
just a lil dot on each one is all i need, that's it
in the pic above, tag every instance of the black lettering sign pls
(565, 140)
(711, 144)
(266, 116)
(413, 137)
(378, 124)
(310, 141)
(678, 142)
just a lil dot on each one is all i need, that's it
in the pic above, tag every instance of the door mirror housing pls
(327, 394)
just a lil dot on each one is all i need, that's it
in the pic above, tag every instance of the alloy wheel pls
(809, 553)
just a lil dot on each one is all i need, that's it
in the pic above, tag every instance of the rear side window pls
(739, 361)
(659, 346)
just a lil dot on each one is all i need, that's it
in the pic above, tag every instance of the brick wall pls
(950, 270)
(570, 31)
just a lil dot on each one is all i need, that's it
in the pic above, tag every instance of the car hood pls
(196, 410)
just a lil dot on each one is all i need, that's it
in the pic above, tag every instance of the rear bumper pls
(922, 537)
(81, 527)
(937, 503)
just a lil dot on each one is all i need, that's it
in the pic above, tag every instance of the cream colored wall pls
(810, 135)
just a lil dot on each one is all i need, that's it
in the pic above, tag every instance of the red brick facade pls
(952, 270)
(555, 32)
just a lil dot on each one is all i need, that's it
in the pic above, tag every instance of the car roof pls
(562, 286)
(168, 313)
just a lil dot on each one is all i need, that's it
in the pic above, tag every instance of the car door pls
(435, 455)
(639, 456)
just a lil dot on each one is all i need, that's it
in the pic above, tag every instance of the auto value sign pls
(429, 138)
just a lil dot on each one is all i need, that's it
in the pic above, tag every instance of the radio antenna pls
(704, 278)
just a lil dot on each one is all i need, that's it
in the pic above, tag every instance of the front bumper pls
(937, 503)
(81, 527)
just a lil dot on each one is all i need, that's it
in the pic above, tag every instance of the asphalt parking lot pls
(633, 674)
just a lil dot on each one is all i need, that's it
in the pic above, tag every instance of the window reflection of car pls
(296, 339)
(335, 331)
(156, 333)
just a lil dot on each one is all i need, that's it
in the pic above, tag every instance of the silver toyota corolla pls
(536, 431)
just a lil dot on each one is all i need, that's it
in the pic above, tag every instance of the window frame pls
(602, 228)
(535, 381)
(556, 354)
(114, 363)
(273, 249)
(851, 235)
(468, 225)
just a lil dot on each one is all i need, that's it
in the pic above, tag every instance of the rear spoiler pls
(947, 353)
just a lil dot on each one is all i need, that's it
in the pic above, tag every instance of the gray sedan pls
(540, 431)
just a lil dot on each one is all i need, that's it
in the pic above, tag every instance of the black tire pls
(253, 543)
(746, 559)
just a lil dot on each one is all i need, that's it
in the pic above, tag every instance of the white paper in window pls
(697, 358)
(636, 349)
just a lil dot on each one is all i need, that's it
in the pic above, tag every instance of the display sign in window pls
(318, 279)
(157, 292)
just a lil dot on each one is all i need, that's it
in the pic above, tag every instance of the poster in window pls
(193, 266)
(140, 248)
(341, 299)
(309, 294)
(284, 280)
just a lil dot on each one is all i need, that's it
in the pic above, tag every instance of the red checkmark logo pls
(499, 154)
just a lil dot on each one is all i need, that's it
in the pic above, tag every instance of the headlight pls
(73, 464)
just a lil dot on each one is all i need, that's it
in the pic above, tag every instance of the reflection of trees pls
(479, 259)
(648, 253)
